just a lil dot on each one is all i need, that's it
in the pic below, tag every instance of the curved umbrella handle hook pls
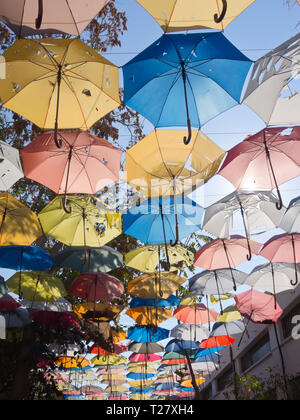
(187, 140)
(218, 19)
(177, 230)
(58, 142)
(249, 256)
(67, 210)
(280, 203)
(38, 20)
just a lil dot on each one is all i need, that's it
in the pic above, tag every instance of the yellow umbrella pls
(188, 301)
(108, 360)
(148, 315)
(230, 313)
(118, 336)
(226, 296)
(147, 258)
(178, 15)
(84, 226)
(59, 83)
(112, 389)
(155, 285)
(72, 362)
(141, 384)
(139, 397)
(141, 369)
(188, 383)
(99, 311)
(19, 225)
(37, 286)
(113, 376)
(161, 164)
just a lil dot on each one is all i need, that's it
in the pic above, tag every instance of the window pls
(256, 353)
(286, 322)
(225, 379)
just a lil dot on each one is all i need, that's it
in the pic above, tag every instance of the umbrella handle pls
(67, 210)
(38, 21)
(218, 19)
(187, 140)
(280, 203)
(294, 283)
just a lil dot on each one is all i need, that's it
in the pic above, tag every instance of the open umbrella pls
(257, 211)
(100, 311)
(197, 314)
(187, 76)
(161, 165)
(59, 83)
(264, 161)
(291, 219)
(67, 362)
(3, 288)
(148, 315)
(143, 334)
(108, 360)
(230, 313)
(179, 15)
(104, 259)
(18, 318)
(32, 17)
(225, 253)
(83, 163)
(190, 332)
(93, 287)
(7, 302)
(145, 348)
(142, 368)
(19, 225)
(270, 90)
(10, 166)
(155, 285)
(161, 303)
(85, 226)
(144, 357)
(60, 305)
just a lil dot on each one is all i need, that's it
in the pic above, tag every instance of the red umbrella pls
(196, 314)
(141, 358)
(283, 248)
(7, 302)
(265, 160)
(225, 253)
(170, 362)
(94, 287)
(219, 341)
(55, 319)
(118, 349)
(83, 164)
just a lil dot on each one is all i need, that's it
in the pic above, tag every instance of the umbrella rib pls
(167, 96)
(74, 20)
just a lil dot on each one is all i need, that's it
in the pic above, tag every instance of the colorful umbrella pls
(161, 165)
(164, 303)
(85, 226)
(61, 305)
(19, 225)
(118, 348)
(21, 258)
(60, 320)
(10, 166)
(104, 259)
(187, 76)
(83, 164)
(142, 334)
(217, 341)
(180, 346)
(155, 285)
(100, 311)
(190, 332)
(188, 383)
(199, 314)
(8, 303)
(215, 282)
(141, 367)
(225, 253)
(291, 219)
(179, 15)
(138, 376)
(28, 17)
(59, 83)
(142, 358)
(108, 360)
(264, 161)
(145, 348)
(147, 315)
(231, 313)
(72, 362)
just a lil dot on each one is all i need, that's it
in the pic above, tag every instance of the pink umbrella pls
(110, 371)
(55, 319)
(84, 163)
(114, 382)
(225, 253)
(140, 358)
(265, 160)
(94, 287)
(196, 314)
(283, 248)
(7, 302)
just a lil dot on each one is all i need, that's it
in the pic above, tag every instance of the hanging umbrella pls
(100, 311)
(257, 212)
(60, 320)
(161, 165)
(264, 161)
(108, 360)
(144, 358)
(190, 332)
(147, 315)
(142, 383)
(291, 219)
(28, 17)
(104, 259)
(143, 334)
(179, 15)
(146, 259)
(96, 286)
(78, 85)
(114, 382)
(144, 391)
(138, 376)
(10, 166)
(230, 328)
(85, 226)
(178, 355)
(199, 314)
(215, 282)
(187, 76)
(25, 258)
(283, 248)
(231, 313)
(37, 286)
(18, 318)
(145, 348)
(118, 348)
(61, 305)
(7, 302)
(270, 91)
(142, 368)
(217, 341)
(163, 220)
(225, 253)
(3, 288)
(19, 225)
(83, 163)
(155, 285)
(66, 362)
(179, 346)
(114, 372)
(163, 303)
(188, 383)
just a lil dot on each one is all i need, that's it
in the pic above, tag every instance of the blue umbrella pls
(137, 376)
(141, 390)
(185, 79)
(178, 346)
(208, 353)
(21, 258)
(171, 301)
(142, 334)
(163, 220)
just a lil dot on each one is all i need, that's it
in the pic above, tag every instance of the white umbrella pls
(269, 92)
(145, 348)
(61, 305)
(228, 328)
(10, 166)
(291, 219)
(190, 332)
(215, 282)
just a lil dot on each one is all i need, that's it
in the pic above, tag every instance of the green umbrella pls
(37, 286)
(104, 259)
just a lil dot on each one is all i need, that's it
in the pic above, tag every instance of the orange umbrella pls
(219, 341)
(174, 362)
(197, 314)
